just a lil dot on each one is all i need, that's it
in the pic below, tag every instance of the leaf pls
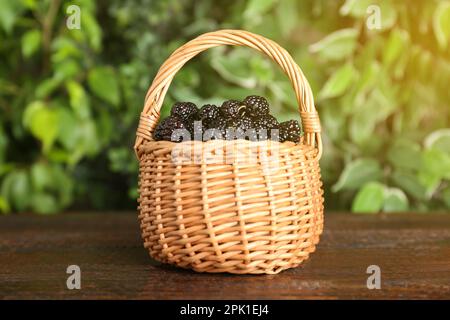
(41, 176)
(66, 69)
(287, 16)
(262, 69)
(395, 46)
(388, 14)
(369, 199)
(436, 162)
(16, 189)
(355, 8)
(430, 181)
(409, 183)
(44, 203)
(104, 84)
(9, 12)
(362, 125)
(4, 205)
(404, 154)
(439, 140)
(105, 126)
(42, 122)
(31, 42)
(65, 48)
(395, 200)
(357, 173)
(92, 30)
(69, 129)
(339, 82)
(235, 68)
(257, 7)
(89, 142)
(367, 80)
(337, 45)
(79, 101)
(441, 23)
(47, 87)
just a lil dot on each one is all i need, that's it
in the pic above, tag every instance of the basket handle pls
(157, 91)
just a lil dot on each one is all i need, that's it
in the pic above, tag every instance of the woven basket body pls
(230, 206)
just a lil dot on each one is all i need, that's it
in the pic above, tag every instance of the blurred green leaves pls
(339, 82)
(31, 42)
(16, 189)
(9, 13)
(103, 82)
(390, 104)
(337, 45)
(70, 99)
(43, 123)
(441, 23)
(369, 199)
(395, 200)
(374, 197)
(356, 173)
(43, 189)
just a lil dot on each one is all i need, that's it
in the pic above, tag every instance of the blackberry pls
(290, 131)
(185, 111)
(166, 127)
(266, 122)
(245, 128)
(244, 123)
(219, 124)
(208, 114)
(256, 105)
(222, 125)
(231, 108)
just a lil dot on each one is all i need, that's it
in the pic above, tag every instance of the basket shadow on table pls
(164, 281)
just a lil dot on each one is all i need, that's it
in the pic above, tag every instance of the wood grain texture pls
(413, 252)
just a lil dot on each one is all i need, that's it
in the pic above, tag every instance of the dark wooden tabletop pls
(412, 251)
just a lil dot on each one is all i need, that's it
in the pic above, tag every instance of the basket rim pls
(164, 144)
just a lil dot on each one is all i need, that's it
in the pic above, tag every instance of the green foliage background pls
(70, 99)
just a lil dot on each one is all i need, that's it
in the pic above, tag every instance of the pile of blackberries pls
(249, 119)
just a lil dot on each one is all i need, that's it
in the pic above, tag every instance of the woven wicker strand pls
(232, 216)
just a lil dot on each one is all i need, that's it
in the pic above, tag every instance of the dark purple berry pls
(185, 111)
(290, 131)
(231, 108)
(264, 125)
(165, 129)
(208, 114)
(257, 105)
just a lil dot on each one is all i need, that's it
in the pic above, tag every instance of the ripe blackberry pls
(219, 124)
(231, 108)
(245, 128)
(166, 127)
(208, 114)
(244, 123)
(257, 105)
(290, 131)
(267, 123)
(222, 125)
(185, 111)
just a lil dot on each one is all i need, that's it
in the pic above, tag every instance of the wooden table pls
(412, 251)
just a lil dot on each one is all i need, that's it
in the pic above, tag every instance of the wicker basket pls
(237, 216)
